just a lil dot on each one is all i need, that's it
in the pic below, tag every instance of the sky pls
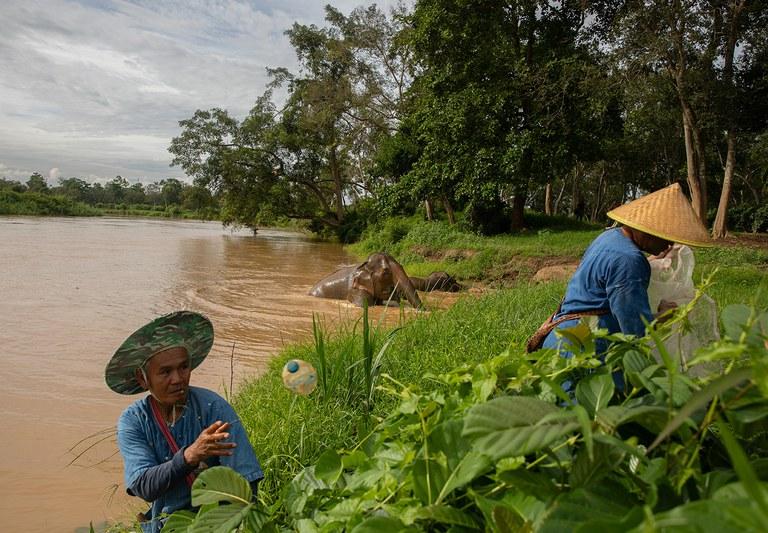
(96, 88)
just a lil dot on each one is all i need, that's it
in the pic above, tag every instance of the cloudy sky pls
(95, 88)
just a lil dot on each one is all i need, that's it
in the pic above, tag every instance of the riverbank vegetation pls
(168, 198)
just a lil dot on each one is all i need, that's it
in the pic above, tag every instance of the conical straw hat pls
(666, 213)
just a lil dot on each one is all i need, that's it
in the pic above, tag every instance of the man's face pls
(649, 243)
(168, 375)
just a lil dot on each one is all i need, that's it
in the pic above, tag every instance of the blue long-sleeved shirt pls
(613, 275)
(155, 474)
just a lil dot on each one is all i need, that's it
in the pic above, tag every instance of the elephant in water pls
(379, 280)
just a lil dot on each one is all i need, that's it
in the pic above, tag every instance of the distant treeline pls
(76, 197)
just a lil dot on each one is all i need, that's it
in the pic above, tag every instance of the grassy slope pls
(289, 432)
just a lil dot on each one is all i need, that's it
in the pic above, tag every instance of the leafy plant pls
(500, 446)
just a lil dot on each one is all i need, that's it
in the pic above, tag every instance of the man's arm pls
(627, 291)
(157, 480)
(144, 476)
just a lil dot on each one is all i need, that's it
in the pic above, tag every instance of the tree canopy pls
(492, 107)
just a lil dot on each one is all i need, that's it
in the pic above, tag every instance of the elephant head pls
(382, 278)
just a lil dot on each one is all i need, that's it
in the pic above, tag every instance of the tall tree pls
(494, 107)
(310, 158)
(37, 183)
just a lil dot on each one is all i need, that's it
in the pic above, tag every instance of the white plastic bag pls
(672, 280)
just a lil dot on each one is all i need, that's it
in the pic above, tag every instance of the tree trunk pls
(336, 174)
(559, 197)
(449, 210)
(720, 228)
(574, 194)
(696, 184)
(548, 199)
(428, 208)
(518, 209)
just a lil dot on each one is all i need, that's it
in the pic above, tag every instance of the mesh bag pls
(672, 280)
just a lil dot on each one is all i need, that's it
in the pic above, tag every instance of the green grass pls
(289, 431)
(424, 247)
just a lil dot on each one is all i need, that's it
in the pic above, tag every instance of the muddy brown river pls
(72, 289)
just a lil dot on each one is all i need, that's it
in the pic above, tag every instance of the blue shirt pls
(613, 275)
(156, 474)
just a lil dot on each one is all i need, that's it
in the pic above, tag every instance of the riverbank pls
(498, 313)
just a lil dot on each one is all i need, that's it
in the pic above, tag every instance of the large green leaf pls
(381, 524)
(446, 514)
(221, 519)
(521, 508)
(516, 425)
(746, 473)
(536, 484)
(178, 522)
(704, 516)
(649, 416)
(429, 478)
(587, 470)
(447, 438)
(700, 399)
(634, 361)
(735, 318)
(220, 484)
(612, 525)
(328, 467)
(594, 392)
(604, 501)
(507, 521)
(471, 466)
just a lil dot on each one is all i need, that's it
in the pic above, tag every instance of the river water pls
(71, 290)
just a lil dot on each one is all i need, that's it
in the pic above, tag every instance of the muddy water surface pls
(72, 289)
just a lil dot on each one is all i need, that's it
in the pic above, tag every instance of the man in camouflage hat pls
(166, 437)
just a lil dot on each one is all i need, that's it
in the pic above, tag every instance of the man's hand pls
(210, 443)
(665, 310)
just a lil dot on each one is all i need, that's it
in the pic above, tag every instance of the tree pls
(12, 185)
(496, 103)
(115, 189)
(170, 191)
(37, 183)
(135, 194)
(743, 40)
(309, 159)
(75, 188)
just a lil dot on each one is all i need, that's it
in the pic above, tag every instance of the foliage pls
(500, 446)
(34, 203)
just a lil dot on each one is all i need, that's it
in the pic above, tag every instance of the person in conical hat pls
(176, 430)
(611, 282)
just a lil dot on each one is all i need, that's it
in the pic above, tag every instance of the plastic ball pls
(299, 376)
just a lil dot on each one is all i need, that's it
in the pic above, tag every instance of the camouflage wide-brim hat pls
(185, 329)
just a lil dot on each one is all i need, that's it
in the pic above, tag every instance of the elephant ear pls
(360, 289)
(404, 284)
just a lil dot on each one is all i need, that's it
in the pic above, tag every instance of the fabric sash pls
(167, 434)
(537, 339)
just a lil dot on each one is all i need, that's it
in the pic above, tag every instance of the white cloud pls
(53, 175)
(97, 87)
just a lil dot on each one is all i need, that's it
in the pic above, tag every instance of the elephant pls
(437, 281)
(379, 280)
